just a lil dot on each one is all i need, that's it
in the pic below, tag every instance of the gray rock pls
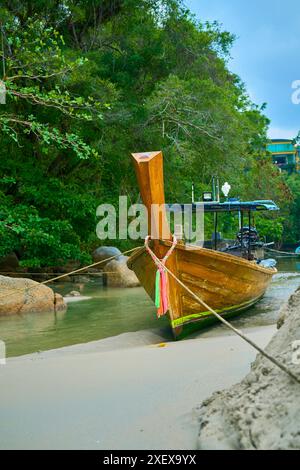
(20, 295)
(104, 252)
(74, 293)
(119, 275)
(263, 411)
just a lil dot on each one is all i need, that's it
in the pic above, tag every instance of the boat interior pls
(248, 244)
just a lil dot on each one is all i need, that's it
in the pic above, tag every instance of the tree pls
(42, 126)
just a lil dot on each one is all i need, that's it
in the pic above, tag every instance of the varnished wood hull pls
(226, 283)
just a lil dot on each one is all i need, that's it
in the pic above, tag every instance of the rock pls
(59, 303)
(79, 286)
(74, 293)
(20, 295)
(71, 265)
(104, 252)
(119, 275)
(281, 319)
(263, 411)
(9, 263)
(81, 279)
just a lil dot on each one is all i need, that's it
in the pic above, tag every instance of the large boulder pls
(263, 411)
(104, 252)
(119, 275)
(20, 295)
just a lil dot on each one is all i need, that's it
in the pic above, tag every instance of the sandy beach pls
(125, 392)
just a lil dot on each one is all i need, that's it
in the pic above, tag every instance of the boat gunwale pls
(209, 253)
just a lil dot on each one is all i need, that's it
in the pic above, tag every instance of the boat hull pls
(226, 283)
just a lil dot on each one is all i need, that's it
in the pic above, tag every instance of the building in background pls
(285, 154)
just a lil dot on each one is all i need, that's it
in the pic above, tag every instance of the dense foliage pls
(90, 81)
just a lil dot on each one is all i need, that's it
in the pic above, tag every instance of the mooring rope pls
(229, 325)
(43, 273)
(282, 252)
(48, 281)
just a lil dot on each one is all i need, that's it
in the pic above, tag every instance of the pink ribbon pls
(163, 304)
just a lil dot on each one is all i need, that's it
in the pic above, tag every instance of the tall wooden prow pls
(150, 176)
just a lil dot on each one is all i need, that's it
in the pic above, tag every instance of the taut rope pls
(48, 281)
(226, 323)
(289, 253)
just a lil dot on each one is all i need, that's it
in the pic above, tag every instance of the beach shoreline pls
(126, 392)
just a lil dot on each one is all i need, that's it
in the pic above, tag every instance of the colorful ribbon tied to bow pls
(161, 292)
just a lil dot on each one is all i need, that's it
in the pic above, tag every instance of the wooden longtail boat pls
(227, 283)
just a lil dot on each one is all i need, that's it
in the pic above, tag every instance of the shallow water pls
(109, 312)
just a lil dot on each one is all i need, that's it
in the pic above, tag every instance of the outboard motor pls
(244, 234)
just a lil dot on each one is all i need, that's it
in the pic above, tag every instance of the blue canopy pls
(228, 206)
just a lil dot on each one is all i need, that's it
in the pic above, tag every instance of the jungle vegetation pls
(88, 82)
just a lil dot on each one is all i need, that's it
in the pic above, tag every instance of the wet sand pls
(125, 392)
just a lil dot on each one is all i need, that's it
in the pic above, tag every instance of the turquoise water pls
(109, 312)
